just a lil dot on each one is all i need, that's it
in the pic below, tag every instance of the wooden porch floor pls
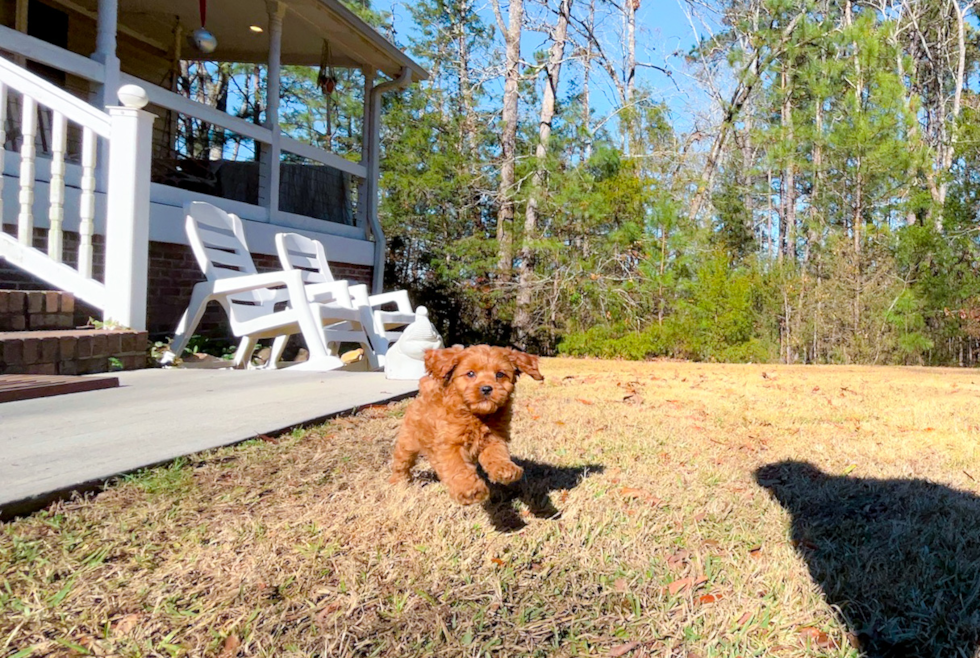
(52, 446)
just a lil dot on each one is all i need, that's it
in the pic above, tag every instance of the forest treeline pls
(821, 208)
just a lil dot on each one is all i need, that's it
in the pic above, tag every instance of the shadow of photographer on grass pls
(898, 559)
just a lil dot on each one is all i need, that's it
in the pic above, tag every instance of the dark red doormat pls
(28, 387)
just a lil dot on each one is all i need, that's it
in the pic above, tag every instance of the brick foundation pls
(173, 271)
(74, 352)
(32, 311)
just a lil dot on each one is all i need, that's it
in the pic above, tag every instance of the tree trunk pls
(508, 138)
(523, 321)
(788, 183)
(465, 100)
(586, 71)
(629, 72)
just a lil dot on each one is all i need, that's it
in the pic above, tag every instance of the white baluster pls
(87, 212)
(56, 215)
(3, 142)
(25, 220)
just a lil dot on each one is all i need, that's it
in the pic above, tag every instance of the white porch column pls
(270, 154)
(374, 170)
(105, 52)
(364, 191)
(128, 210)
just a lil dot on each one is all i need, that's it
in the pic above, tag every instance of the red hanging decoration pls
(204, 12)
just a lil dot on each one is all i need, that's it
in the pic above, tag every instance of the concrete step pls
(71, 351)
(33, 311)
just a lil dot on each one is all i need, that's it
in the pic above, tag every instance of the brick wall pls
(173, 273)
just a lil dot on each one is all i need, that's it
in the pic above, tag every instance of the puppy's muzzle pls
(486, 390)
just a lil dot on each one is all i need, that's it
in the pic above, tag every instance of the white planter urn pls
(406, 358)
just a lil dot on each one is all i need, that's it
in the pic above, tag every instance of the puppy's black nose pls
(486, 390)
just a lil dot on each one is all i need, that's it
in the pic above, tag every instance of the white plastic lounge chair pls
(297, 252)
(249, 298)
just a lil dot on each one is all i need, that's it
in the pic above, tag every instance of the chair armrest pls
(359, 293)
(399, 297)
(235, 284)
(330, 292)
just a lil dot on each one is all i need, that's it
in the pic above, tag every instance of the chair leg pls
(275, 355)
(243, 355)
(377, 346)
(188, 323)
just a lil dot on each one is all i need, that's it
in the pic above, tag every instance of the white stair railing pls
(127, 134)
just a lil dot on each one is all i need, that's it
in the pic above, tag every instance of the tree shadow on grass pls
(898, 559)
(534, 490)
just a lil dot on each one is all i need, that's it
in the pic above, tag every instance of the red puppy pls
(462, 416)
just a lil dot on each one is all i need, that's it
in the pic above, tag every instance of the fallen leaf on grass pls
(126, 624)
(744, 619)
(756, 552)
(678, 559)
(620, 585)
(632, 493)
(584, 401)
(817, 637)
(710, 598)
(268, 439)
(230, 647)
(623, 649)
(679, 585)
(497, 561)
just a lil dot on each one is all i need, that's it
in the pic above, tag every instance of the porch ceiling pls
(307, 23)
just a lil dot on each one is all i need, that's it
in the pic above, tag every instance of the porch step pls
(30, 387)
(71, 352)
(45, 310)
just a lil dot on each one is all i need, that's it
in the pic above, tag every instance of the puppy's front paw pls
(400, 478)
(506, 473)
(476, 492)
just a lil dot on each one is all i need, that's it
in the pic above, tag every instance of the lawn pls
(668, 509)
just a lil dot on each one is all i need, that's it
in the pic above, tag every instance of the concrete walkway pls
(52, 446)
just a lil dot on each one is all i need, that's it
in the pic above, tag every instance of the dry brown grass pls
(640, 530)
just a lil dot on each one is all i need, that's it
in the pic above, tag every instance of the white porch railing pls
(260, 134)
(126, 134)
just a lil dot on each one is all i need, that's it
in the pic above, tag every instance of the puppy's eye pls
(500, 375)
(471, 374)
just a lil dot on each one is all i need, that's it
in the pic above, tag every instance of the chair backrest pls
(298, 252)
(218, 241)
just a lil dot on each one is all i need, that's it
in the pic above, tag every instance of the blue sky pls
(664, 35)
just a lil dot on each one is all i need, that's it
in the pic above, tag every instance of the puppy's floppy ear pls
(527, 363)
(441, 363)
